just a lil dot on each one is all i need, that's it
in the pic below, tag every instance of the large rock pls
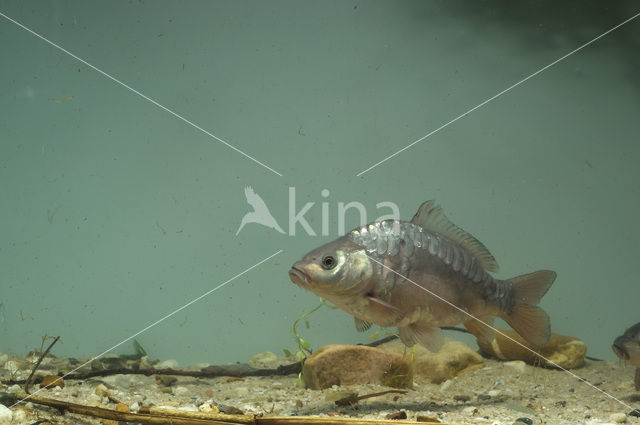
(564, 351)
(355, 364)
(453, 358)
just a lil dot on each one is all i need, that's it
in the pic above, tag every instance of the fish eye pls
(328, 262)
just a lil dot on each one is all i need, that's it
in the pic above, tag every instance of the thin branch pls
(42, 356)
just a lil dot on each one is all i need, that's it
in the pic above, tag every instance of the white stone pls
(446, 384)
(5, 415)
(470, 410)
(208, 408)
(188, 408)
(14, 389)
(179, 391)
(12, 366)
(167, 364)
(263, 360)
(145, 363)
(102, 391)
(518, 365)
(240, 391)
(19, 416)
(618, 417)
(493, 393)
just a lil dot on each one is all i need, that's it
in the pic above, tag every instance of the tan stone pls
(453, 358)
(565, 351)
(51, 381)
(356, 364)
(121, 407)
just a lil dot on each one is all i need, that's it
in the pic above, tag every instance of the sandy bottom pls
(494, 393)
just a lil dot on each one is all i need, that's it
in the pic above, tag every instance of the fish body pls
(420, 275)
(627, 348)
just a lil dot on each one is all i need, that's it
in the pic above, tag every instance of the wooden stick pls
(177, 417)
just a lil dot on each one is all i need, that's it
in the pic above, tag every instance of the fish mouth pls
(619, 350)
(298, 276)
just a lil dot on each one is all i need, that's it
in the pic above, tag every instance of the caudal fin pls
(526, 318)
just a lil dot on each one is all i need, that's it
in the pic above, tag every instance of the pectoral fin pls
(425, 334)
(361, 325)
(385, 313)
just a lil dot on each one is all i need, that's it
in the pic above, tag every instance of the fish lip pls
(298, 276)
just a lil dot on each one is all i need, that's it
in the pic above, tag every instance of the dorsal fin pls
(431, 217)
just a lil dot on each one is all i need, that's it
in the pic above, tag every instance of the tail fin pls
(526, 318)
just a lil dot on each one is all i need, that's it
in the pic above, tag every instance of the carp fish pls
(627, 348)
(421, 275)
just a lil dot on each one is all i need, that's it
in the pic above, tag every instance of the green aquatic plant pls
(387, 332)
(304, 348)
(140, 352)
(398, 376)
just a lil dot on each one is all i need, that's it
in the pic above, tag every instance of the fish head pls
(619, 349)
(627, 346)
(338, 268)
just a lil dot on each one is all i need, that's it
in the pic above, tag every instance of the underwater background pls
(115, 211)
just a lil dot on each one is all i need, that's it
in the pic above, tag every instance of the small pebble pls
(470, 410)
(446, 384)
(166, 380)
(518, 365)
(263, 360)
(493, 393)
(167, 364)
(6, 415)
(121, 407)
(19, 416)
(618, 417)
(208, 408)
(52, 381)
(461, 397)
(102, 391)
(180, 391)
(521, 421)
(397, 415)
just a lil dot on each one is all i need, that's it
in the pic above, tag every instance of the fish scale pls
(393, 237)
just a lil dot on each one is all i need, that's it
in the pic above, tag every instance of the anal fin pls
(481, 331)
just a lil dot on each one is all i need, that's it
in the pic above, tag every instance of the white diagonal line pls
(503, 334)
(157, 322)
(164, 108)
(497, 95)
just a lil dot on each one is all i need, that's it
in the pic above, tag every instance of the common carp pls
(421, 275)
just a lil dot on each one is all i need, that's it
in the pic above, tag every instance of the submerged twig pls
(353, 399)
(42, 356)
(173, 417)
